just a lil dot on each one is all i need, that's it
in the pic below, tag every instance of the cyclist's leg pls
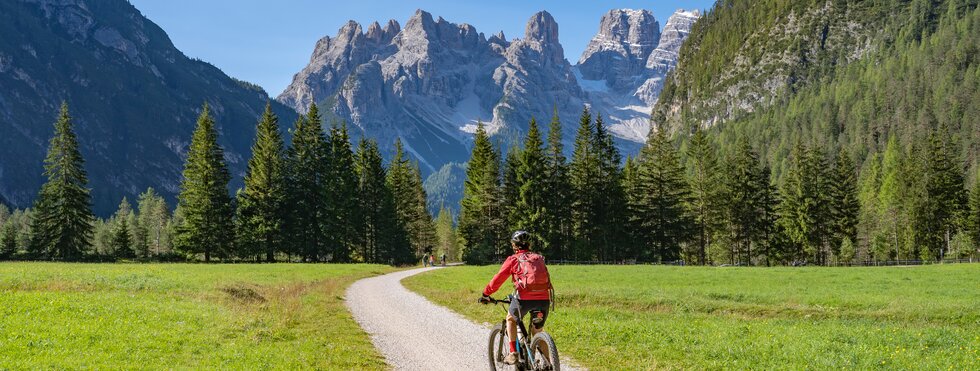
(512, 317)
(540, 307)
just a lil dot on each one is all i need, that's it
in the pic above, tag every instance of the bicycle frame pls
(525, 354)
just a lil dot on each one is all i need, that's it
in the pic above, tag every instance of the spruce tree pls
(510, 190)
(261, 213)
(890, 201)
(383, 238)
(481, 221)
(342, 195)
(973, 220)
(204, 204)
(583, 174)
(154, 218)
(844, 204)
(662, 205)
(8, 240)
(61, 227)
(306, 166)
(807, 204)
(947, 195)
(557, 209)
(633, 221)
(529, 208)
(448, 242)
(405, 184)
(744, 192)
(706, 192)
(122, 242)
(870, 213)
(611, 210)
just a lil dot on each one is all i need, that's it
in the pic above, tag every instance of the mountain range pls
(135, 97)
(430, 82)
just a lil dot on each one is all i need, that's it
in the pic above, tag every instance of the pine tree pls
(122, 242)
(382, 233)
(973, 221)
(947, 195)
(204, 204)
(844, 204)
(890, 200)
(745, 193)
(634, 222)
(583, 174)
(806, 197)
(154, 218)
(706, 192)
(529, 208)
(446, 234)
(405, 183)
(61, 226)
(306, 166)
(8, 240)
(342, 194)
(481, 220)
(261, 214)
(870, 213)
(557, 209)
(510, 189)
(611, 210)
(664, 194)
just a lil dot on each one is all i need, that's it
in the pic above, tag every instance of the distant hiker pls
(425, 260)
(432, 260)
(533, 284)
(443, 260)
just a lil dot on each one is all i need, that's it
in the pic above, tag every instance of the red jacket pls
(509, 268)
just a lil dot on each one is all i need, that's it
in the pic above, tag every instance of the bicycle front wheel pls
(498, 348)
(545, 352)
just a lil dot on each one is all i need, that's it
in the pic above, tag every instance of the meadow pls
(657, 317)
(270, 316)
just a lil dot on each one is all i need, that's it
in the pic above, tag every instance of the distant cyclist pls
(533, 284)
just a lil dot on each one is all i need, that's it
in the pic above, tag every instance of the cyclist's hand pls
(484, 299)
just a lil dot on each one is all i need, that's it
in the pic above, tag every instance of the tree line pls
(702, 204)
(315, 200)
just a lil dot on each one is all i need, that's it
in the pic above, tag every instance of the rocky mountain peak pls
(675, 32)
(618, 53)
(542, 28)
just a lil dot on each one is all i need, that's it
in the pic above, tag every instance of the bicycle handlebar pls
(503, 301)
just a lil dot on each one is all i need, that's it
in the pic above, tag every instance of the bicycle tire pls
(542, 338)
(496, 350)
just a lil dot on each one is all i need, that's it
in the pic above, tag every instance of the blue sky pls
(266, 42)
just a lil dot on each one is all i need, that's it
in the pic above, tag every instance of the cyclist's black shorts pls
(527, 306)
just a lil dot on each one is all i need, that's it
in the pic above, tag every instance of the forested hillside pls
(801, 132)
(830, 73)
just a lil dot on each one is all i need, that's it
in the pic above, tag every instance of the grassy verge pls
(646, 317)
(281, 316)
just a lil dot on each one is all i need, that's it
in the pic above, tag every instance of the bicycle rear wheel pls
(543, 341)
(497, 348)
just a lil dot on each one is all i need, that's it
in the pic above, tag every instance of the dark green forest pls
(317, 200)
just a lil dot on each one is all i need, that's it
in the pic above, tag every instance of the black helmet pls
(521, 238)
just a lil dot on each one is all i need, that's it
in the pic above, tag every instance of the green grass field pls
(279, 316)
(647, 317)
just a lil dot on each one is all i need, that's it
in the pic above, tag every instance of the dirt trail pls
(413, 333)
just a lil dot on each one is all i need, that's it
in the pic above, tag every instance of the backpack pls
(531, 274)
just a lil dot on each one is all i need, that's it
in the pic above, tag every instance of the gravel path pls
(413, 333)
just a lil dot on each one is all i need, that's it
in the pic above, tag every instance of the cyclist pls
(531, 296)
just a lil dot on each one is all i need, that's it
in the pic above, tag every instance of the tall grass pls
(282, 316)
(646, 317)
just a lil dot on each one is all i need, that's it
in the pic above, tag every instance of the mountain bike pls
(529, 355)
